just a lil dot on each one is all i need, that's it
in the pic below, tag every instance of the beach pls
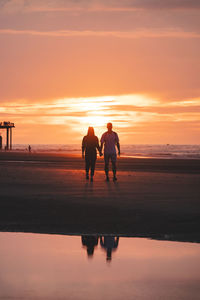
(48, 193)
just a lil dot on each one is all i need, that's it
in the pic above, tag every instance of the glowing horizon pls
(132, 116)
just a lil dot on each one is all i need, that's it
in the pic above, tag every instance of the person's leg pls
(106, 161)
(87, 166)
(114, 169)
(90, 163)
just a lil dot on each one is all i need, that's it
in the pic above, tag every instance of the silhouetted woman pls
(89, 145)
(90, 242)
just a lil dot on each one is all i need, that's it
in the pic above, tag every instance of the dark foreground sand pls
(48, 193)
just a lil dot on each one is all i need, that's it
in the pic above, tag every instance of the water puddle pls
(35, 266)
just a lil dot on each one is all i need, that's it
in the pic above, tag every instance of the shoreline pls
(69, 161)
(168, 156)
(184, 238)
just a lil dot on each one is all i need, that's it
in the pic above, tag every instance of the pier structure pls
(8, 126)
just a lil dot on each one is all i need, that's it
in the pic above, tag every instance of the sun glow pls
(95, 121)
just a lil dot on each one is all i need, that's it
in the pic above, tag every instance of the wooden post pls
(7, 139)
(10, 138)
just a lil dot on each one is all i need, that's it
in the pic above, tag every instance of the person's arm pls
(118, 147)
(101, 147)
(102, 142)
(83, 147)
(101, 242)
(116, 242)
(98, 147)
(118, 144)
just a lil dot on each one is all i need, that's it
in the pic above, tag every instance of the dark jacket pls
(90, 144)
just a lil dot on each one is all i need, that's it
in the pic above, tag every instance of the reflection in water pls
(41, 266)
(90, 242)
(109, 243)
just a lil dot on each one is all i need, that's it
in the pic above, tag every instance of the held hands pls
(100, 153)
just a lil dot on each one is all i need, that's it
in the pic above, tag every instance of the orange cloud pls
(153, 33)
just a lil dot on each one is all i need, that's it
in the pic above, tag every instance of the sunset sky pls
(68, 64)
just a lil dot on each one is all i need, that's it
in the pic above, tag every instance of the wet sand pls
(158, 198)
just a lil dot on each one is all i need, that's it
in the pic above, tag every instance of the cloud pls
(120, 107)
(160, 110)
(143, 33)
(72, 116)
(114, 5)
(166, 4)
(161, 107)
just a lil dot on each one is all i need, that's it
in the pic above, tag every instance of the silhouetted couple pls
(90, 145)
(108, 243)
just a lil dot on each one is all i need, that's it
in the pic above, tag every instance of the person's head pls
(90, 131)
(109, 126)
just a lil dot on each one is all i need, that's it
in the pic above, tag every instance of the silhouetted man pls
(110, 244)
(110, 140)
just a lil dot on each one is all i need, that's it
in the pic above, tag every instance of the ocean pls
(138, 150)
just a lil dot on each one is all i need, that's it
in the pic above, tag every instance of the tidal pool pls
(40, 266)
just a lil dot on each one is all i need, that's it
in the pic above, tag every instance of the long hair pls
(90, 131)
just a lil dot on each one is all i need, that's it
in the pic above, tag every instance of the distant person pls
(110, 244)
(1, 142)
(29, 148)
(89, 145)
(90, 242)
(110, 140)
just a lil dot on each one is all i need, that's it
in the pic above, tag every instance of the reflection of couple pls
(108, 243)
(89, 145)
